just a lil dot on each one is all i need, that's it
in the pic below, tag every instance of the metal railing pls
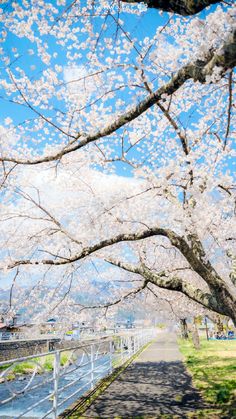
(83, 334)
(29, 389)
(9, 336)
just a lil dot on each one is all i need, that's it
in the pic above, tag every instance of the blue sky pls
(25, 59)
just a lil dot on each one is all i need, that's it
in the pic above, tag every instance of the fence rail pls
(44, 385)
(83, 334)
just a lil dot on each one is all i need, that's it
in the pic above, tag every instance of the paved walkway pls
(155, 384)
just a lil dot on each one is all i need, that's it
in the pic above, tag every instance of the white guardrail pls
(44, 385)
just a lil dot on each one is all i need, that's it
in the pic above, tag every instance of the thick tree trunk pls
(181, 7)
(184, 328)
(195, 335)
(219, 325)
(225, 301)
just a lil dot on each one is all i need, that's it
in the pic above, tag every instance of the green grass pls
(65, 358)
(42, 364)
(213, 369)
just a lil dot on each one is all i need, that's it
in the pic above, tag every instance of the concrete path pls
(155, 384)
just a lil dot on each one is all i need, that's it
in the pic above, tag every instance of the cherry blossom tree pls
(117, 145)
(182, 7)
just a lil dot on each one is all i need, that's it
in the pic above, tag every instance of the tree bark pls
(180, 7)
(184, 328)
(218, 300)
(219, 325)
(195, 335)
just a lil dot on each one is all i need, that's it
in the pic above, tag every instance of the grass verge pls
(213, 369)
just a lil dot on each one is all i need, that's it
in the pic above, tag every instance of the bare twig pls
(229, 107)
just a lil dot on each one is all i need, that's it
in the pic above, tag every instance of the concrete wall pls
(20, 348)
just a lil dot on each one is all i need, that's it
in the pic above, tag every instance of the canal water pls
(24, 401)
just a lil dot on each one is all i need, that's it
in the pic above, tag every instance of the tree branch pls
(193, 254)
(180, 7)
(224, 59)
(170, 283)
(229, 107)
(50, 218)
(119, 300)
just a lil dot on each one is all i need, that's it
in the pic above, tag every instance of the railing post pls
(56, 370)
(122, 350)
(111, 356)
(92, 366)
(129, 346)
(126, 347)
(134, 347)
